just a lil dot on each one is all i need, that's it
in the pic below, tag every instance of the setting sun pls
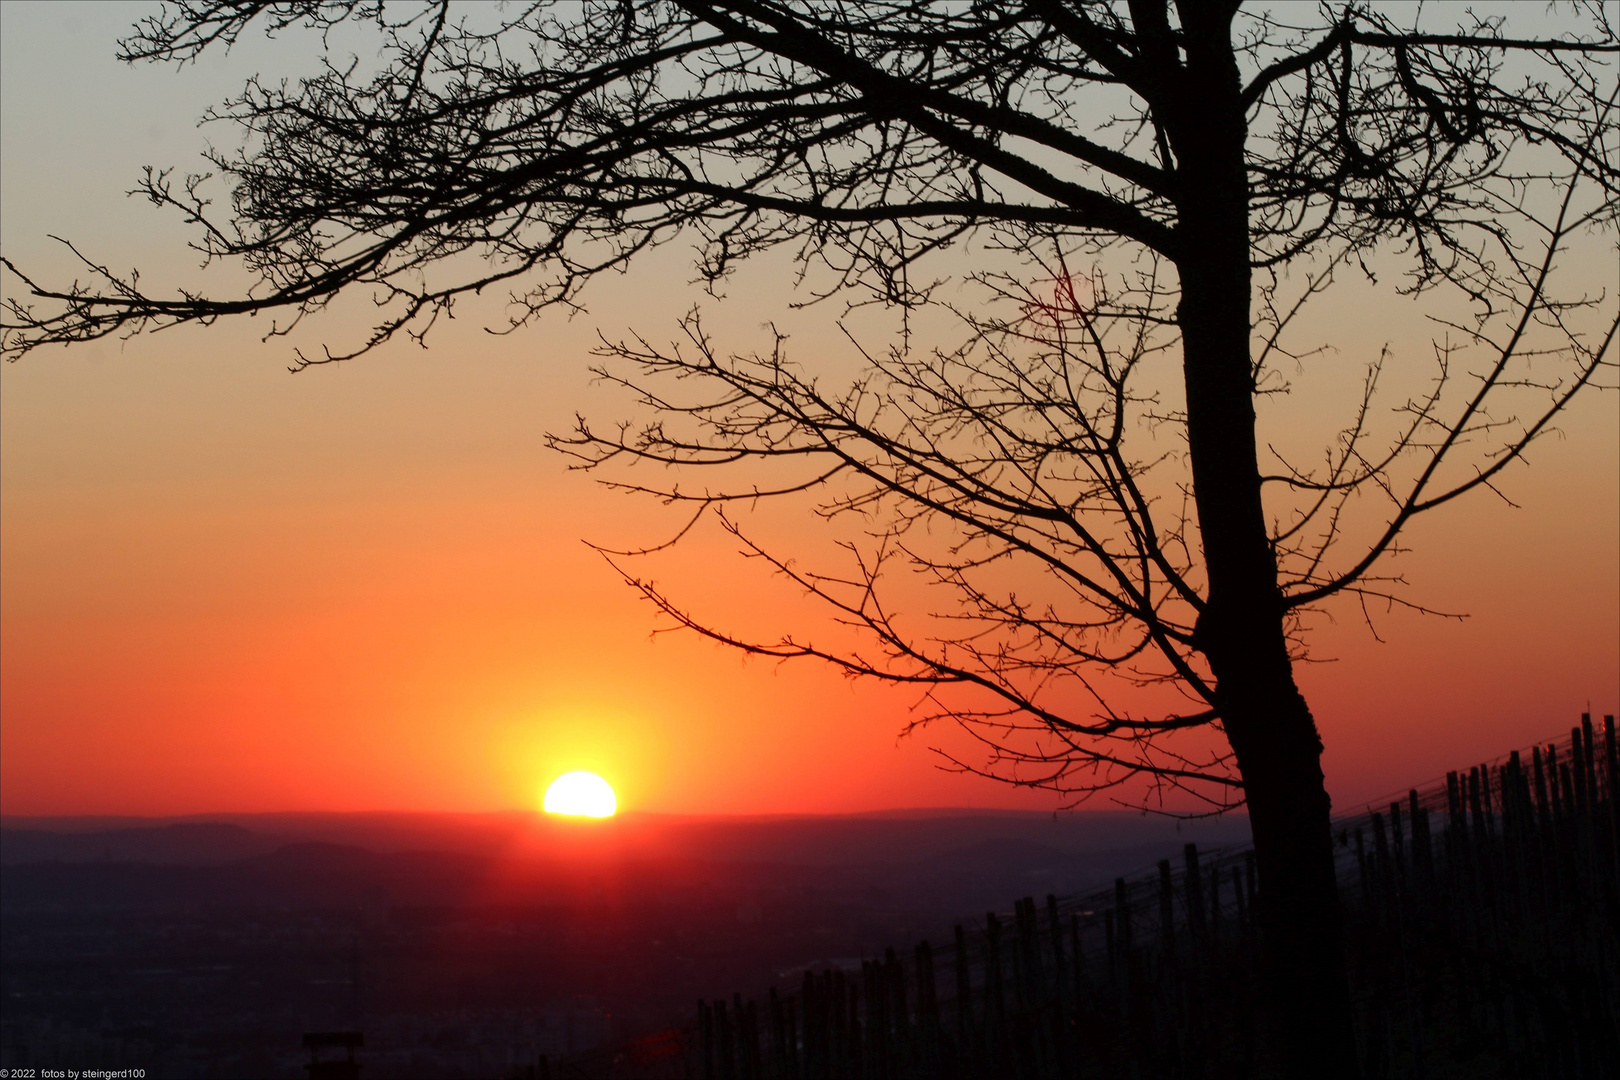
(581, 794)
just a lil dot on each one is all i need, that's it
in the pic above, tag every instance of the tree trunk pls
(1241, 631)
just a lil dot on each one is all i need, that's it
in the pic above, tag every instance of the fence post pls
(706, 1039)
(1487, 800)
(995, 992)
(1034, 1028)
(872, 1029)
(927, 1002)
(1063, 997)
(1061, 976)
(779, 1064)
(790, 1030)
(856, 1042)
(1167, 914)
(1078, 953)
(1543, 807)
(1397, 836)
(1569, 846)
(1612, 759)
(1512, 809)
(1578, 769)
(1453, 805)
(1476, 812)
(1591, 760)
(1552, 782)
(928, 1033)
(829, 1044)
(877, 1021)
(1126, 949)
(1111, 934)
(964, 994)
(1612, 756)
(809, 1029)
(899, 1001)
(749, 1016)
(1122, 909)
(725, 1044)
(1567, 786)
(1194, 882)
(1381, 868)
(1363, 870)
(1422, 842)
(1025, 976)
(1060, 959)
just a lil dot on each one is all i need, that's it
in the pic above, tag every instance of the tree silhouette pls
(1178, 179)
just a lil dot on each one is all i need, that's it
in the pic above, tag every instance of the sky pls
(224, 587)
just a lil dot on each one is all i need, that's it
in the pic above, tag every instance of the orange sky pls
(228, 588)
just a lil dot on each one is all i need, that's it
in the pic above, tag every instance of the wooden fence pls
(1483, 932)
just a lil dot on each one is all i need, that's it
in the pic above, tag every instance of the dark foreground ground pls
(470, 945)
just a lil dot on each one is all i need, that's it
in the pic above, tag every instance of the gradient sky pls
(364, 587)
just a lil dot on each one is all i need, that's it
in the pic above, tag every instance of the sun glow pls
(581, 794)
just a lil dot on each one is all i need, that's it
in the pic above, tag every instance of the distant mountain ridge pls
(800, 839)
(199, 843)
(945, 863)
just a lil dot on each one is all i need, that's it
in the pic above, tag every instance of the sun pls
(581, 794)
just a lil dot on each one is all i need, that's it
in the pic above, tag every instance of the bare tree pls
(1179, 177)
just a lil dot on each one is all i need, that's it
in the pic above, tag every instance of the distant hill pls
(939, 864)
(294, 876)
(811, 840)
(198, 843)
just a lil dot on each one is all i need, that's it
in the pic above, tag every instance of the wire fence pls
(1482, 929)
